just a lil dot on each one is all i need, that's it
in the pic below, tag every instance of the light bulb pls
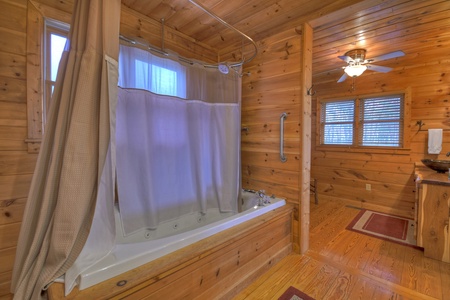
(355, 70)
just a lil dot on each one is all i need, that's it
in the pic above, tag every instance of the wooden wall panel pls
(12, 41)
(4, 285)
(12, 89)
(13, 15)
(12, 65)
(11, 211)
(16, 165)
(273, 87)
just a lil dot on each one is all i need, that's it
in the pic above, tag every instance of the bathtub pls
(142, 247)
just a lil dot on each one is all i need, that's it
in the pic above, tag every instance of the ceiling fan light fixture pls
(355, 70)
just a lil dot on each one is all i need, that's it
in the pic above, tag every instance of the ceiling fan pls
(357, 62)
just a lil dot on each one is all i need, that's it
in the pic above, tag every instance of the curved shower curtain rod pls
(230, 27)
(186, 60)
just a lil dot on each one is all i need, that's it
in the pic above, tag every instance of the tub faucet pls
(263, 198)
(448, 154)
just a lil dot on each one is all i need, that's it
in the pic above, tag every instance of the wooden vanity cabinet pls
(433, 216)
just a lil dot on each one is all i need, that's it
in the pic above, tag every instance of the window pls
(157, 79)
(337, 122)
(54, 43)
(363, 122)
(38, 90)
(150, 72)
(381, 121)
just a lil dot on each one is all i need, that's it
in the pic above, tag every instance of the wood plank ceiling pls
(256, 18)
(419, 28)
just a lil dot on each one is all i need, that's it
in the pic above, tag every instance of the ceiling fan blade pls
(343, 77)
(386, 56)
(378, 68)
(346, 58)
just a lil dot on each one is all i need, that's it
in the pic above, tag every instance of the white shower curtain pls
(175, 155)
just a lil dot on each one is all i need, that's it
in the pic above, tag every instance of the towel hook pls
(310, 92)
(420, 123)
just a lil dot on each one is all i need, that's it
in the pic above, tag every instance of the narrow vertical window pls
(55, 41)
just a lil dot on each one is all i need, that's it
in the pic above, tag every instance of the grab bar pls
(282, 118)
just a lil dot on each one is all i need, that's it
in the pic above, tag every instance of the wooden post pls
(306, 90)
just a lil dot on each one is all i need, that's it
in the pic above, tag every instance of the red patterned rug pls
(384, 226)
(293, 294)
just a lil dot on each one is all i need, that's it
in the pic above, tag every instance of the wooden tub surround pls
(433, 213)
(218, 267)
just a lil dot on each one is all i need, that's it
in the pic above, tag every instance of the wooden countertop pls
(427, 176)
(436, 178)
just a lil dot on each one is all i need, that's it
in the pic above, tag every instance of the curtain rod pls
(230, 27)
(165, 53)
(148, 46)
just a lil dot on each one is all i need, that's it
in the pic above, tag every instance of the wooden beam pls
(305, 134)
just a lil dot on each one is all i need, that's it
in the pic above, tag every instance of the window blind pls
(381, 121)
(337, 120)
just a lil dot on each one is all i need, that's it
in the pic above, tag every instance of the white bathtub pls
(142, 247)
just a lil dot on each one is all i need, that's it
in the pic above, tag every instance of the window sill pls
(354, 149)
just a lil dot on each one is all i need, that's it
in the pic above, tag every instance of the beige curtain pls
(63, 191)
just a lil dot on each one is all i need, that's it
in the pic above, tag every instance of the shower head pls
(223, 68)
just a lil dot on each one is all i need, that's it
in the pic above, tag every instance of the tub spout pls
(263, 198)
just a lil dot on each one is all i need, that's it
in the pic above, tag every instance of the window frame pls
(36, 17)
(355, 147)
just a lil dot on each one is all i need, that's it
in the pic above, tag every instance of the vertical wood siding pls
(273, 87)
(16, 165)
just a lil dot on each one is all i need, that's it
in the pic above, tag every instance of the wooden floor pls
(342, 264)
